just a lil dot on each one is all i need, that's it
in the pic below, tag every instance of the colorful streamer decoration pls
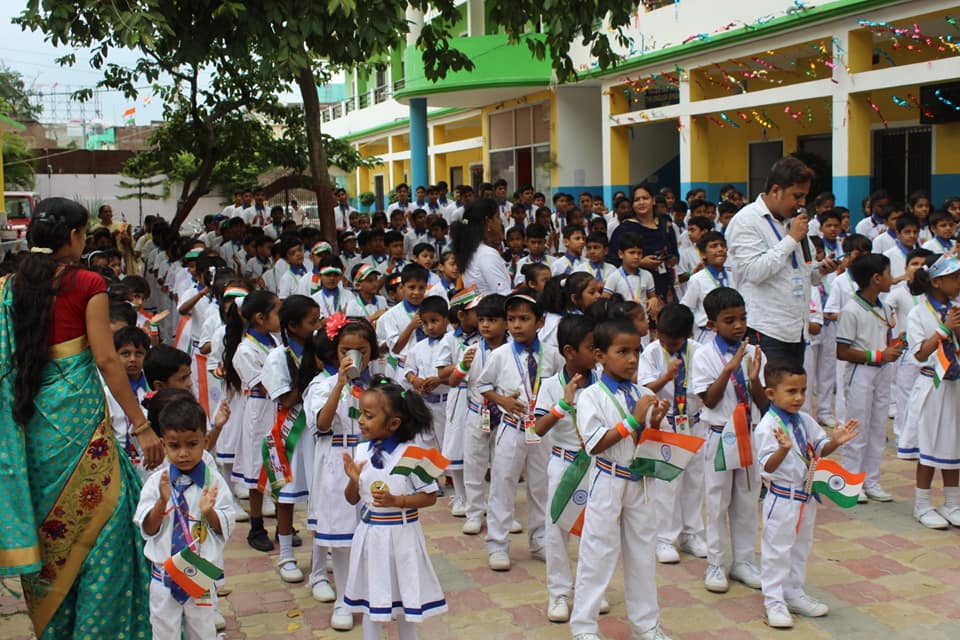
(729, 121)
(873, 105)
(942, 98)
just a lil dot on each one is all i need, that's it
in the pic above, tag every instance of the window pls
(520, 147)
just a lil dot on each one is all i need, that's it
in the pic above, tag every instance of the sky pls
(28, 53)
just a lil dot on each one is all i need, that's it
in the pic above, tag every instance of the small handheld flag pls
(663, 454)
(570, 498)
(833, 481)
(192, 573)
(426, 464)
(735, 450)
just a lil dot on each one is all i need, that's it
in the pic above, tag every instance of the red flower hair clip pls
(334, 323)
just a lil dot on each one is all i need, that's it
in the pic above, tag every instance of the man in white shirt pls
(341, 212)
(766, 255)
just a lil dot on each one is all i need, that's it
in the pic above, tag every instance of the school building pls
(708, 93)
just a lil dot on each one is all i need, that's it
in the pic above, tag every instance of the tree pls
(15, 96)
(143, 181)
(17, 163)
(250, 49)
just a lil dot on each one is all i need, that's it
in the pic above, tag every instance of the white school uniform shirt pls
(211, 323)
(504, 375)
(357, 306)
(398, 206)
(898, 259)
(605, 269)
(341, 214)
(230, 249)
(488, 272)
(565, 264)
(412, 238)
(424, 357)
(276, 374)
(902, 302)
(330, 300)
(707, 365)
(864, 326)
(653, 364)
(455, 214)
(272, 230)
(816, 315)
(762, 254)
(254, 268)
(884, 242)
(792, 472)
(122, 428)
(157, 546)
(289, 282)
(546, 260)
(597, 414)
(315, 397)
(871, 227)
(248, 361)
(698, 286)
(198, 314)
(939, 245)
(564, 433)
(392, 323)
(636, 286)
(841, 292)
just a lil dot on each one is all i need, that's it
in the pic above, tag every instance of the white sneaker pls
(341, 620)
(218, 620)
(323, 592)
(457, 508)
(715, 579)
(289, 571)
(778, 616)
(667, 553)
(587, 636)
(930, 518)
(472, 526)
(604, 605)
(807, 606)
(694, 545)
(516, 527)
(559, 609)
(269, 507)
(862, 498)
(746, 573)
(653, 634)
(499, 561)
(950, 514)
(539, 554)
(877, 494)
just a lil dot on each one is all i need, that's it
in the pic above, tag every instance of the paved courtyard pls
(883, 576)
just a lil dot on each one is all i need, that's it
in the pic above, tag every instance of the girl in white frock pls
(934, 409)
(390, 570)
(332, 408)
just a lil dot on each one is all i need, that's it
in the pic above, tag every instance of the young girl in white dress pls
(390, 570)
(934, 410)
(332, 406)
(247, 341)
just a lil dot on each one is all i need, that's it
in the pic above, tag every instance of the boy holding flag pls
(789, 446)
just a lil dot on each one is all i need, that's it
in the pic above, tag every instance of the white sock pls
(341, 567)
(318, 565)
(922, 499)
(286, 546)
(371, 629)
(951, 496)
(407, 630)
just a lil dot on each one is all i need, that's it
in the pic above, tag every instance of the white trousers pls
(908, 370)
(824, 381)
(783, 550)
(557, 540)
(867, 391)
(477, 453)
(620, 516)
(434, 440)
(166, 615)
(731, 498)
(511, 457)
(679, 503)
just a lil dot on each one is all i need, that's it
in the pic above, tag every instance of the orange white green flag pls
(830, 480)
(664, 454)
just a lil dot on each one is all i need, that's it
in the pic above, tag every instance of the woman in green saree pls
(69, 494)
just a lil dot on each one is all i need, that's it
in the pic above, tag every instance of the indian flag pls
(569, 501)
(426, 464)
(940, 365)
(834, 482)
(194, 574)
(664, 455)
(735, 449)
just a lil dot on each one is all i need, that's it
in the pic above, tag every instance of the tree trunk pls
(201, 180)
(322, 185)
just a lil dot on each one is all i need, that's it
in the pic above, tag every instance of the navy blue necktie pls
(798, 434)
(532, 370)
(377, 458)
(178, 537)
(628, 393)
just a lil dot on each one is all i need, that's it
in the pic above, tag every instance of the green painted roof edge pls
(419, 87)
(834, 9)
(398, 122)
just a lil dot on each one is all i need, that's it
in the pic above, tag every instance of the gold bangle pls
(143, 426)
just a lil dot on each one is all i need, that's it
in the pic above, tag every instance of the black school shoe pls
(259, 540)
(297, 541)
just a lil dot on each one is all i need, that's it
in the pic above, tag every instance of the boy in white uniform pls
(400, 327)
(866, 346)
(630, 281)
(713, 247)
(421, 370)
(665, 369)
(186, 494)
(786, 436)
(620, 515)
(511, 379)
(726, 376)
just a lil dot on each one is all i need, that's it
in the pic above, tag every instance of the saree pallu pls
(68, 501)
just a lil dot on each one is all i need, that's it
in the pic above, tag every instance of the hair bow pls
(334, 323)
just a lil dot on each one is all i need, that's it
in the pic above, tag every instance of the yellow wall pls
(946, 143)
